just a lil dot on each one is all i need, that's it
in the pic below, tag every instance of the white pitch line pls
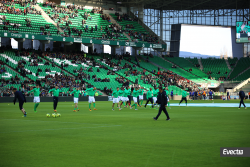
(61, 129)
(57, 122)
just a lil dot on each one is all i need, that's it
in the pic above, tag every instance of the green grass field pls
(126, 138)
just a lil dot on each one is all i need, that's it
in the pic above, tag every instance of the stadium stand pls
(215, 68)
(242, 64)
(243, 76)
(24, 18)
(133, 28)
(179, 71)
(185, 64)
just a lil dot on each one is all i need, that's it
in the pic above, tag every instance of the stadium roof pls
(186, 4)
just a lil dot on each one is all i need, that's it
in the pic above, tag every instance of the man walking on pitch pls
(167, 93)
(56, 92)
(115, 98)
(135, 95)
(36, 100)
(141, 96)
(162, 100)
(76, 93)
(21, 99)
(91, 93)
(242, 98)
(184, 97)
(149, 98)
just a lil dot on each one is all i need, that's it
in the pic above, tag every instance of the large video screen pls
(243, 31)
(205, 41)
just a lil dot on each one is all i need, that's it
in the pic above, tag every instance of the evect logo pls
(235, 151)
(232, 152)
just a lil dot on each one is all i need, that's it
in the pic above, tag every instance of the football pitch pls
(126, 138)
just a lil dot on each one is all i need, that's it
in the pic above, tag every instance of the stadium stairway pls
(115, 22)
(10, 72)
(201, 66)
(228, 65)
(46, 16)
(233, 67)
(15, 71)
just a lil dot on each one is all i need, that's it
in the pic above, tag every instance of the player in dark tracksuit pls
(162, 100)
(21, 99)
(242, 97)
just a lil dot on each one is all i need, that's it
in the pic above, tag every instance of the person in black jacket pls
(21, 98)
(162, 100)
(242, 97)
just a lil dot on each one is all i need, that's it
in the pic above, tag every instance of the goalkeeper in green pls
(76, 93)
(36, 92)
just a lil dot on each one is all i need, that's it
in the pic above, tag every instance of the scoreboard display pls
(242, 31)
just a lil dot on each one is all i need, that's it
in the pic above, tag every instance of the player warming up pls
(76, 93)
(184, 97)
(149, 98)
(155, 94)
(167, 93)
(91, 93)
(125, 97)
(162, 100)
(135, 95)
(55, 92)
(36, 100)
(115, 96)
(21, 99)
(120, 95)
(141, 91)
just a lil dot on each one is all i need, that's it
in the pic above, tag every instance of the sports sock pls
(94, 105)
(77, 108)
(89, 105)
(129, 104)
(168, 104)
(35, 106)
(135, 106)
(121, 103)
(74, 108)
(141, 102)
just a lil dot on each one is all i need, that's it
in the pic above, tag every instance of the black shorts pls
(21, 105)
(184, 98)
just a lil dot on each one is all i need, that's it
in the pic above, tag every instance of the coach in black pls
(21, 99)
(242, 97)
(162, 100)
